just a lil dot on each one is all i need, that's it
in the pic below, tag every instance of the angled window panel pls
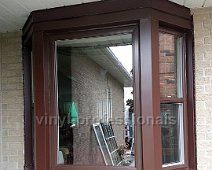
(103, 144)
(107, 142)
(111, 142)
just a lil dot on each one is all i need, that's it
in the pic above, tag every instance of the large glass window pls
(95, 101)
(172, 98)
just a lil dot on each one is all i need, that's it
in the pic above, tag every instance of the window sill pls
(175, 166)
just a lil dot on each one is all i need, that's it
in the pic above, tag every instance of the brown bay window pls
(100, 71)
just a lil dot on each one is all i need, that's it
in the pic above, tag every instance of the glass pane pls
(172, 133)
(171, 51)
(95, 101)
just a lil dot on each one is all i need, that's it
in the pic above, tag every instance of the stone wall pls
(203, 76)
(11, 103)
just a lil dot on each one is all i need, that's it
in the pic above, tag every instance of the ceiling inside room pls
(13, 13)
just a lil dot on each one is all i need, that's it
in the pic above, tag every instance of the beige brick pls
(208, 128)
(208, 89)
(202, 167)
(203, 81)
(13, 106)
(15, 132)
(201, 17)
(201, 128)
(203, 64)
(200, 106)
(200, 72)
(209, 120)
(208, 40)
(208, 56)
(199, 11)
(12, 112)
(202, 33)
(13, 139)
(5, 158)
(200, 89)
(15, 158)
(10, 165)
(203, 96)
(208, 72)
(201, 120)
(209, 136)
(199, 40)
(208, 104)
(15, 66)
(202, 48)
(11, 102)
(201, 136)
(199, 25)
(207, 24)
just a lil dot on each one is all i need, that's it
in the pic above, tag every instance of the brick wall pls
(11, 103)
(89, 84)
(203, 76)
(168, 79)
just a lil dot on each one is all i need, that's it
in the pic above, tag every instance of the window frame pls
(51, 66)
(181, 100)
(52, 74)
(44, 27)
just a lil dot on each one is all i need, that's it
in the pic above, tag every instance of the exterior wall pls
(11, 103)
(203, 76)
(118, 110)
(89, 88)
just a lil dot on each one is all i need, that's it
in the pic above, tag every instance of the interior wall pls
(203, 81)
(11, 102)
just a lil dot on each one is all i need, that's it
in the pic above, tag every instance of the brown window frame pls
(82, 34)
(44, 27)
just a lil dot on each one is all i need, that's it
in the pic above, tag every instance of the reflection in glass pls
(172, 133)
(95, 101)
(171, 52)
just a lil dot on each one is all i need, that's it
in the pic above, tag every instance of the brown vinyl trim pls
(68, 167)
(40, 91)
(150, 93)
(171, 20)
(28, 117)
(89, 22)
(177, 167)
(171, 100)
(77, 34)
(103, 7)
(192, 152)
(128, 16)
